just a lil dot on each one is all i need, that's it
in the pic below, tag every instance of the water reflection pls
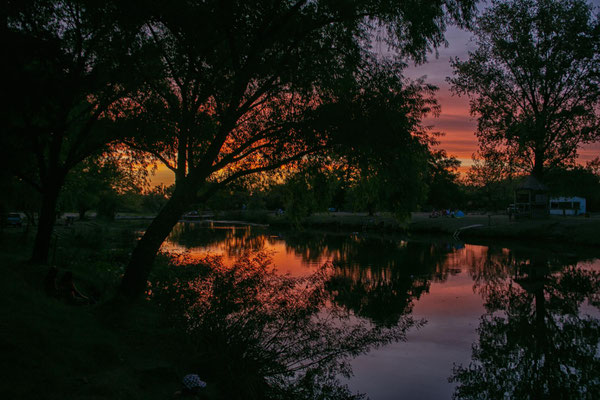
(229, 240)
(398, 274)
(374, 278)
(534, 340)
(538, 336)
(263, 335)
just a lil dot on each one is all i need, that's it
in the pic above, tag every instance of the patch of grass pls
(381, 222)
(356, 221)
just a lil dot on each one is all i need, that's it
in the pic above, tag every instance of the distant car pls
(14, 219)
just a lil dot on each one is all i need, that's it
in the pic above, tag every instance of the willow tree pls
(68, 66)
(534, 81)
(242, 87)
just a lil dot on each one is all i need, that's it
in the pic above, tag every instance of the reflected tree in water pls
(266, 335)
(380, 280)
(233, 241)
(535, 341)
(375, 278)
(313, 246)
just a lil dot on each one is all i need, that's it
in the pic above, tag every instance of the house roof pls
(531, 183)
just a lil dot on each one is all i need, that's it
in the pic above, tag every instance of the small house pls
(531, 199)
(567, 206)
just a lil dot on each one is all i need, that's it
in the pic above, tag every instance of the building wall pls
(571, 205)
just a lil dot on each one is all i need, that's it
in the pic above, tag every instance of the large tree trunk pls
(43, 237)
(538, 165)
(136, 275)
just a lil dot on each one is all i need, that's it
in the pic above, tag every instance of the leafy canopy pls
(534, 81)
(240, 87)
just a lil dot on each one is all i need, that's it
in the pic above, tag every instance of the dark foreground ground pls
(54, 350)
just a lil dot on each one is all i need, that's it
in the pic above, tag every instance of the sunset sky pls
(459, 127)
(455, 122)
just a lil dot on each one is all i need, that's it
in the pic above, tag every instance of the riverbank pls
(55, 350)
(555, 229)
(331, 221)
(566, 230)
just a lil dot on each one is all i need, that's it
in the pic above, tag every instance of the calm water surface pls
(515, 318)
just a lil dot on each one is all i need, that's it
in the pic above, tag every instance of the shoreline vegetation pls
(555, 229)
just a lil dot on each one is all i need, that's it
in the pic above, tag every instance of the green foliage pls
(397, 185)
(300, 201)
(378, 135)
(308, 191)
(56, 350)
(155, 198)
(229, 198)
(17, 195)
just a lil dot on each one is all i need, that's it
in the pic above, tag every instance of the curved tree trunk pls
(136, 275)
(43, 237)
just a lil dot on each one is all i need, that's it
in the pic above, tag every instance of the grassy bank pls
(568, 230)
(334, 221)
(53, 350)
(556, 229)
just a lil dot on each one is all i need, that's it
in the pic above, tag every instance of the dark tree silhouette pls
(69, 66)
(443, 181)
(247, 87)
(534, 81)
(100, 178)
(266, 335)
(380, 280)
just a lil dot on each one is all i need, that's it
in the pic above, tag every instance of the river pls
(498, 320)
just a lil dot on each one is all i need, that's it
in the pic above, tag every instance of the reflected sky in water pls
(485, 307)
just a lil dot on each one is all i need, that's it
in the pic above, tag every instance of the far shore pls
(488, 226)
(556, 229)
